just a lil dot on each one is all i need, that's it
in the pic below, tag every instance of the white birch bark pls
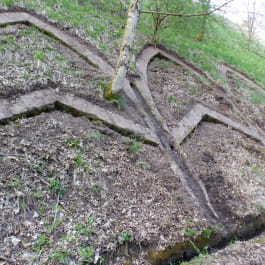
(125, 51)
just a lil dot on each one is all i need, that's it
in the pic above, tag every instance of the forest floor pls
(74, 190)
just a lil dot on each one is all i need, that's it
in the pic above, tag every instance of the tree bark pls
(123, 62)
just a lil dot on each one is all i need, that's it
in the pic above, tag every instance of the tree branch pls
(123, 3)
(186, 15)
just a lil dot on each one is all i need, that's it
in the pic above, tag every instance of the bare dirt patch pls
(231, 167)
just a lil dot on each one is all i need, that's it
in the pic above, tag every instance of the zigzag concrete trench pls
(234, 208)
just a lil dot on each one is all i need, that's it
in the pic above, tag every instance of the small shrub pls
(134, 146)
(79, 161)
(61, 256)
(207, 233)
(87, 254)
(74, 143)
(126, 236)
(39, 55)
(171, 99)
(42, 242)
(56, 187)
(119, 100)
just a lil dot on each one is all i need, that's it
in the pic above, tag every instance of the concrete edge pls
(80, 48)
(39, 99)
(196, 115)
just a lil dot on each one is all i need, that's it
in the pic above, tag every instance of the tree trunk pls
(123, 62)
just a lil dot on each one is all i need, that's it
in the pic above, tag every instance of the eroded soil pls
(231, 167)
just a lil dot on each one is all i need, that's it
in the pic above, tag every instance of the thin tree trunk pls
(125, 51)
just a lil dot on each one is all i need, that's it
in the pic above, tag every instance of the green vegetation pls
(96, 188)
(221, 41)
(134, 145)
(39, 55)
(87, 254)
(13, 185)
(96, 136)
(61, 256)
(119, 100)
(191, 235)
(42, 242)
(125, 236)
(85, 229)
(79, 160)
(74, 143)
(56, 187)
(257, 98)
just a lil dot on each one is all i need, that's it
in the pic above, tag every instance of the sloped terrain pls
(177, 89)
(77, 184)
(253, 253)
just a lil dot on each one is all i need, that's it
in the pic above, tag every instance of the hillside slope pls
(174, 168)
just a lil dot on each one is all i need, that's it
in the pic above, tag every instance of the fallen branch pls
(4, 154)
(7, 259)
(186, 15)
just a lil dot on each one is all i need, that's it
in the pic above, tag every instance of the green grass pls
(257, 98)
(82, 16)
(222, 41)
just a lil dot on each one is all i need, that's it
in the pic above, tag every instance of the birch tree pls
(205, 5)
(119, 78)
(123, 62)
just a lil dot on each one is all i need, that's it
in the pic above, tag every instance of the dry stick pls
(185, 15)
(4, 154)
(7, 259)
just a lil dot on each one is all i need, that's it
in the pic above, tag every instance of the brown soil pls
(231, 168)
(34, 61)
(121, 190)
(175, 90)
(69, 184)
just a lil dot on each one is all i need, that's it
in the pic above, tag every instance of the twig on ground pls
(7, 259)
